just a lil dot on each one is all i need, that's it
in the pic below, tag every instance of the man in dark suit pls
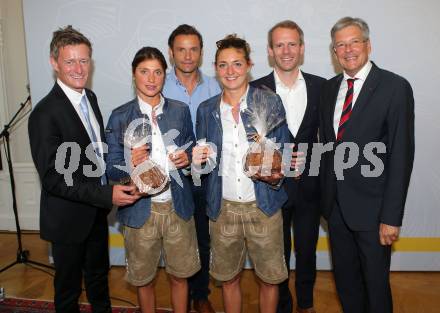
(368, 110)
(300, 94)
(75, 198)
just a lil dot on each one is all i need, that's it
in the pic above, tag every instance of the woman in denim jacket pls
(162, 222)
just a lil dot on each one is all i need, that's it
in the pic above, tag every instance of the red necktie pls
(346, 109)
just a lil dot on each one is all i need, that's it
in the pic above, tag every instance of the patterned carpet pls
(13, 305)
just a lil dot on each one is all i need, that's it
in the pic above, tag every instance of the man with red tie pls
(361, 108)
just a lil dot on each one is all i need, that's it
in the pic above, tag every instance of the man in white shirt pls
(300, 94)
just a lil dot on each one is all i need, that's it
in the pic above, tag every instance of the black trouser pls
(304, 215)
(361, 267)
(89, 259)
(199, 283)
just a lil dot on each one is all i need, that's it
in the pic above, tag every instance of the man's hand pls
(200, 154)
(273, 179)
(124, 195)
(139, 155)
(179, 158)
(388, 234)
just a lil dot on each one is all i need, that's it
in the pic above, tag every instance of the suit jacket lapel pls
(310, 100)
(269, 82)
(364, 96)
(333, 96)
(97, 112)
(70, 111)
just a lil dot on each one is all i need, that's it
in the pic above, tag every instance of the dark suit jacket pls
(307, 133)
(67, 212)
(383, 112)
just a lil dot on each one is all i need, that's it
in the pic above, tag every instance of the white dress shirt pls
(236, 185)
(159, 152)
(360, 77)
(75, 98)
(294, 100)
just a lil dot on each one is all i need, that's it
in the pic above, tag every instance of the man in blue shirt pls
(186, 83)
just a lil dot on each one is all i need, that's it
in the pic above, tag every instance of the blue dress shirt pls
(206, 88)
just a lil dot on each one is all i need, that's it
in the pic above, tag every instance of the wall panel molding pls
(27, 186)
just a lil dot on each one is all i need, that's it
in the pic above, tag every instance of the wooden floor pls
(413, 292)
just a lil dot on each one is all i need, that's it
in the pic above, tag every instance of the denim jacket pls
(175, 116)
(209, 126)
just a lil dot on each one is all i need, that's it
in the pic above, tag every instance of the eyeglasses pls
(354, 44)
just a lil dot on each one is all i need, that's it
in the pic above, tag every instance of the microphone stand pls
(22, 255)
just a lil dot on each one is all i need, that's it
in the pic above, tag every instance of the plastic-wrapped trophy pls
(149, 177)
(263, 157)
